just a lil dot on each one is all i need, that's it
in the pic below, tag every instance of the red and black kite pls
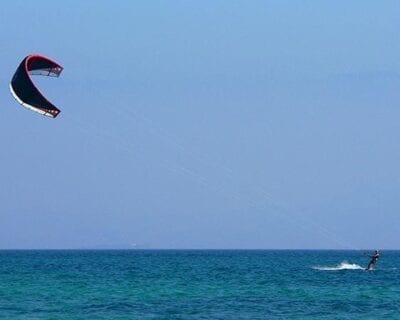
(24, 90)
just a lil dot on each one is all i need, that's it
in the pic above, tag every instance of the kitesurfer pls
(374, 258)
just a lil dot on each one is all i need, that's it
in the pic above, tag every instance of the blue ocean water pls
(198, 284)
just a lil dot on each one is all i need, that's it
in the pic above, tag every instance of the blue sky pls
(207, 124)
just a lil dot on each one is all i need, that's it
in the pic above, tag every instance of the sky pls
(203, 124)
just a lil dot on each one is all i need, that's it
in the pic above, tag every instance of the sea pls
(198, 284)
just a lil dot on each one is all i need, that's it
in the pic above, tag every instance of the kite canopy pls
(24, 90)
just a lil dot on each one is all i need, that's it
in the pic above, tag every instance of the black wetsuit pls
(374, 259)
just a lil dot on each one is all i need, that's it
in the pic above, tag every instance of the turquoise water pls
(209, 284)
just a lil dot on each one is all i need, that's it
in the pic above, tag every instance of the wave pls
(342, 266)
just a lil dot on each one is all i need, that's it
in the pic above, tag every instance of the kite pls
(24, 90)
